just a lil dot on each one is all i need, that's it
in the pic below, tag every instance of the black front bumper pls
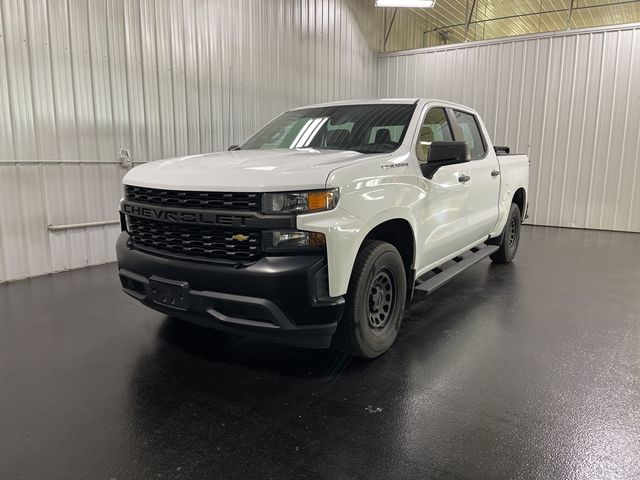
(280, 299)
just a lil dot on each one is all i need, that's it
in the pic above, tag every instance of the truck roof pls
(364, 101)
(382, 101)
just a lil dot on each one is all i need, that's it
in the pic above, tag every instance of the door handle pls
(464, 178)
(495, 173)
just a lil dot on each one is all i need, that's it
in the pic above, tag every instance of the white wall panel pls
(79, 80)
(570, 100)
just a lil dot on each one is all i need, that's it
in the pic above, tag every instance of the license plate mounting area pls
(169, 293)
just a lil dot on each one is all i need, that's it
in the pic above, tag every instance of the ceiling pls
(445, 23)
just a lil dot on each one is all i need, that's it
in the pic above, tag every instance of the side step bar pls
(442, 276)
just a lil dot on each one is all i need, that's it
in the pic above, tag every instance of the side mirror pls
(444, 153)
(233, 148)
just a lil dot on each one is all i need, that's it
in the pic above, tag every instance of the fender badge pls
(394, 165)
(239, 237)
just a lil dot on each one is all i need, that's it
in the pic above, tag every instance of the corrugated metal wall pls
(570, 100)
(81, 79)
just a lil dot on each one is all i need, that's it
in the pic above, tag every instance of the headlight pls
(300, 202)
(285, 240)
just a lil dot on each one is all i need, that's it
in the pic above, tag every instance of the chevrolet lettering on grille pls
(172, 215)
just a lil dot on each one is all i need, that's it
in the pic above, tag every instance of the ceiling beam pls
(386, 36)
(468, 19)
(569, 15)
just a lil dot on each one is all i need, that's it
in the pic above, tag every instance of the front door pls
(443, 210)
(484, 173)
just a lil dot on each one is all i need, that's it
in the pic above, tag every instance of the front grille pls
(210, 200)
(198, 241)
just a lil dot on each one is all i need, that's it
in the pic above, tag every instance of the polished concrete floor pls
(530, 370)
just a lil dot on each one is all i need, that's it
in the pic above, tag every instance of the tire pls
(375, 302)
(510, 237)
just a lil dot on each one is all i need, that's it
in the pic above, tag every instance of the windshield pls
(378, 128)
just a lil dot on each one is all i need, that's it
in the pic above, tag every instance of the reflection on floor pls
(530, 370)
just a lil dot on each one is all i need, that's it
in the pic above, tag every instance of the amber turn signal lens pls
(317, 239)
(320, 200)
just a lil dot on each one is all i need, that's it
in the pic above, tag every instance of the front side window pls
(471, 134)
(435, 128)
(378, 128)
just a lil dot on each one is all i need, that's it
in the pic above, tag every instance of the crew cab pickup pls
(318, 229)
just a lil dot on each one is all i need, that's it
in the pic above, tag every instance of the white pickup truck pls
(318, 229)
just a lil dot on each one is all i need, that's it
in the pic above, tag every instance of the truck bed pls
(514, 168)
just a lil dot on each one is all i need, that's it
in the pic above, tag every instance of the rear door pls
(484, 170)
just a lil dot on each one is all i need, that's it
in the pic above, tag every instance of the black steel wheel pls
(375, 301)
(382, 296)
(510, 237)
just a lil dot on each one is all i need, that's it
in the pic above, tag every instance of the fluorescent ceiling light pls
(406, 3)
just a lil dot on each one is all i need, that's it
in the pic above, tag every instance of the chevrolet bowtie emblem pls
(240, 237)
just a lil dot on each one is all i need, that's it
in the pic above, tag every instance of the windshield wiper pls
(371, 149)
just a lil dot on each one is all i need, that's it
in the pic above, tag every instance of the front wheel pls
(510, 237)
(375, 302)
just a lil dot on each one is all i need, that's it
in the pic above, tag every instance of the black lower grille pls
(247, 311)
(194, 240)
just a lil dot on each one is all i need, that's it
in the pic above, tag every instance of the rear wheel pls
(375, 302)
(510, 237)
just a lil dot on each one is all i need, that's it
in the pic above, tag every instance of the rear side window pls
(435, 128)
(471, 134)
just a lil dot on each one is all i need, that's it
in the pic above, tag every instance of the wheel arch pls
(520, 199)
(399, 233)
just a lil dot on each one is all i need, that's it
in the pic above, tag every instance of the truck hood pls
(244, 170)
